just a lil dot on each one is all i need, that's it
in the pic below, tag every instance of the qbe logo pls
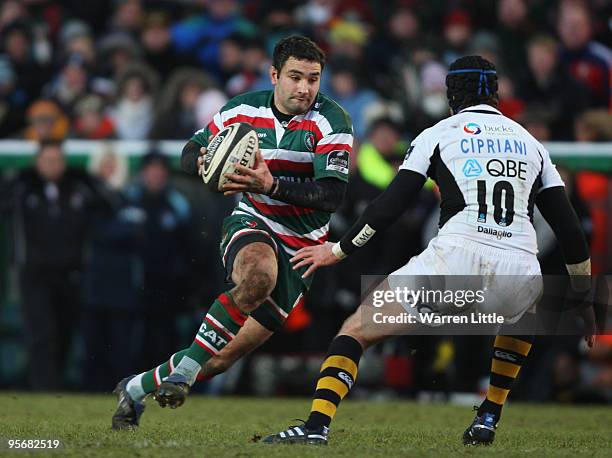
(472, 168)
(472, 128)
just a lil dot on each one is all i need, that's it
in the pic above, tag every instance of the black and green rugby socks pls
(219, 327)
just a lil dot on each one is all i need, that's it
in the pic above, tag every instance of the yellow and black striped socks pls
(509, 354)
(337, 376)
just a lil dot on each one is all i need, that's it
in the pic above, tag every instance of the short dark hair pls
(43, 144)
(298, 46)
(471, 80)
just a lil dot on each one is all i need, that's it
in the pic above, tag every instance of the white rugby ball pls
(233, 145)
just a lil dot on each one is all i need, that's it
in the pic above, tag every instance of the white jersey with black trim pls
(489, 170)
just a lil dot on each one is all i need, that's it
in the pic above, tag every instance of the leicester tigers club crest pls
(309, 141)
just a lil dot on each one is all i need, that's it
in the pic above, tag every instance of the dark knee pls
(255, 271)
(254, 288)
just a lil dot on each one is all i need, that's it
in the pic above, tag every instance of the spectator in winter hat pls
(91, 122)
(133, 111)
(46, 121)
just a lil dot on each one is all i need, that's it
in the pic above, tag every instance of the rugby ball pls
(233, 145)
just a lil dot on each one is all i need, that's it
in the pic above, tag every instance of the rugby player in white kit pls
(490, 172)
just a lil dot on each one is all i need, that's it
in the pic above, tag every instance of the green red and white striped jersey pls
(311, 146)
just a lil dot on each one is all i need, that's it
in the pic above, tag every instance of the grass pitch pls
(213, 427)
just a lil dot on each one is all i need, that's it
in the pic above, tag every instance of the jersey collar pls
(482, 108)
(315, 106)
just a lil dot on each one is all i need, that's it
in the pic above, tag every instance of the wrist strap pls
(337, 251)
(274, 188)
(580, 275)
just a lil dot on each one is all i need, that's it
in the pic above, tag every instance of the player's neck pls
(482, 106)
(279, 114)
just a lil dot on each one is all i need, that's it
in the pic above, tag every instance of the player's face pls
(296, 85)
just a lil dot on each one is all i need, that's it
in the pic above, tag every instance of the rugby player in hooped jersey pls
(490, 172)
(298, 180)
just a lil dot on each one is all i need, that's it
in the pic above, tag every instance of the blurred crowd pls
(138, 69)
(116, 268)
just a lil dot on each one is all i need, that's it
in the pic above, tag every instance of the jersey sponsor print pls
(489, 170)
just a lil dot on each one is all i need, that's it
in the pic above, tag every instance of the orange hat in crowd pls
(46, 121)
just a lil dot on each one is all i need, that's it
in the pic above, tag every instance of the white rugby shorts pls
(512, 280)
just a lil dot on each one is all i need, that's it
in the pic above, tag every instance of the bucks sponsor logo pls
(472, 128)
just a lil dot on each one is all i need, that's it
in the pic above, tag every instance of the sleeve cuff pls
(337, 251)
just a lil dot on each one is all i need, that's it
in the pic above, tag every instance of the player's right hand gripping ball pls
(233, 145)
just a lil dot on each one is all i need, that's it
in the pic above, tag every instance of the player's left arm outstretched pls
(377, 217)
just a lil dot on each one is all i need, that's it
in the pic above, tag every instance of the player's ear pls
(273, 72)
